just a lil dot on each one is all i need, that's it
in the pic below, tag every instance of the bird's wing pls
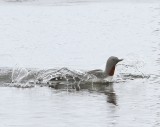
(94, 71)
(98, 73)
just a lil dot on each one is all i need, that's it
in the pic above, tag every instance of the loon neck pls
(109, 71)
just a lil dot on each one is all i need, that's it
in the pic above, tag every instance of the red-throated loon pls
(108, 73)
(100, 75)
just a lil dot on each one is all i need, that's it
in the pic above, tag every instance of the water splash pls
(18, 74)
(22, 78)
(64, 74)
(132, 68)
(66, 78)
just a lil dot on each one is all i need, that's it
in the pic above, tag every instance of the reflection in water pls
(106, 88)
(111, 96)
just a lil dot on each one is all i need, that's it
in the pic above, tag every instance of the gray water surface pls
(81, 37)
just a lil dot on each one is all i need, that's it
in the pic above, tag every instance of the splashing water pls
(72, 79)
(64, 76)
(18, 74)
(132, 68)
(22, 78)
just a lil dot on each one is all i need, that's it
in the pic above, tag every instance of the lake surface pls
(38, 38)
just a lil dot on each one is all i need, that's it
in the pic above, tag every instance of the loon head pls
(110, 66)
